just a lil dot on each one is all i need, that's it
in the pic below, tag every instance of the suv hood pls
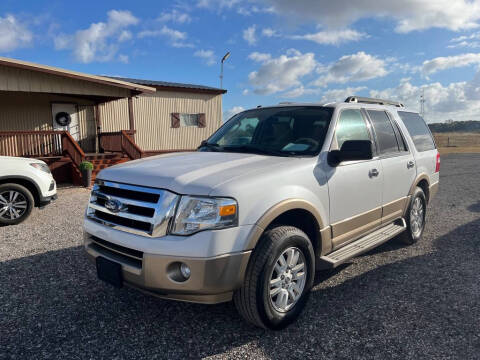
(195, 173)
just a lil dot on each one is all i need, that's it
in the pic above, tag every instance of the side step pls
(361, 245)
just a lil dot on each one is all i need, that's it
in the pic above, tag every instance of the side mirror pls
(351, 150)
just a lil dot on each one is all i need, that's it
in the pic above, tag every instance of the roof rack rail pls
(365, 100)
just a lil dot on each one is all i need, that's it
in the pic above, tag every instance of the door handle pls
(373, 172)
(410, 164)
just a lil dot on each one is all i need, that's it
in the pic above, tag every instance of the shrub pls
(86, 165)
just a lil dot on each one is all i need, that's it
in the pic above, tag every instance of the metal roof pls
(166, 84)
(75, 75)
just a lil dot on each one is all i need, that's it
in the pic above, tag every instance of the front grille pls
(136, 209)
(120, 253)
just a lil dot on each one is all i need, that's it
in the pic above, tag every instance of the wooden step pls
(361, 245)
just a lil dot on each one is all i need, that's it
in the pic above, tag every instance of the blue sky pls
(281, 50)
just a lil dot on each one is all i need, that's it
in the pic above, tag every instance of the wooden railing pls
(31, 143)
(72, 149)
(129, 146)
(121, 141)
(40, 144)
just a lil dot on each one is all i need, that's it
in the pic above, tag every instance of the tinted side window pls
(418, 130)
(351, 126)
(387, 142)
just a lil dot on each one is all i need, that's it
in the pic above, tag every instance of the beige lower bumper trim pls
(212, 280)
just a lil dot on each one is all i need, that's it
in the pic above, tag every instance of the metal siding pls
(114, 115)
(14, 79)
(153, 124)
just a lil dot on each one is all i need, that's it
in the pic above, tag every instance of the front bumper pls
(212, 280)
(45, 200)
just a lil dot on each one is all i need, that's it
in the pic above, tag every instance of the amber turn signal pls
(227, 210)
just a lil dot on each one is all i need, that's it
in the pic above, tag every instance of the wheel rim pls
(417, 216)
(13, 205)
(287, 279)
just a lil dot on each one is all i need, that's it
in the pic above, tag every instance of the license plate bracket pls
(109, 271)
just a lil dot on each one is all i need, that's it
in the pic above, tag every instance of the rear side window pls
(418, 129)
(351, 126)
(387, 141)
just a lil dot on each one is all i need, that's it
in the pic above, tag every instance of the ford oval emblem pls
(115, 205)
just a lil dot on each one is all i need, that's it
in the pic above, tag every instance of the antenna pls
(422, 103)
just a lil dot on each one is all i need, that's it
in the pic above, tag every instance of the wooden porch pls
(63, 154)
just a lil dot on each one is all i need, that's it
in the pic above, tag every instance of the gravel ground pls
(421, 301)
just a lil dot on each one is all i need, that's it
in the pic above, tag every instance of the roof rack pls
(365, 100)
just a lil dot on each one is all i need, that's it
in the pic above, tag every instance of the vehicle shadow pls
(53, 306)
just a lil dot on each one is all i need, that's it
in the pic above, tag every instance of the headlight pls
(42, 167)
(201, 213)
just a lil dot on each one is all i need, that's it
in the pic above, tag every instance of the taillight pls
(437, 163)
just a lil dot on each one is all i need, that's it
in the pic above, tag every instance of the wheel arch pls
(422, 181)
(298, 213)
(24, 181)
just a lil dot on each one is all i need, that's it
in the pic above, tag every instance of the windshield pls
(281, 131)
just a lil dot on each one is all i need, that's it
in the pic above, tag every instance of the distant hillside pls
(456, 126)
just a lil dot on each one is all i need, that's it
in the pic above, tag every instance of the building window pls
(183, 120)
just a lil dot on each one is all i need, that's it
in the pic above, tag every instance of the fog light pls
(185, 270)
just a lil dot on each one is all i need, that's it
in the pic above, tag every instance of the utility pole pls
(422, 104)
(225, 57)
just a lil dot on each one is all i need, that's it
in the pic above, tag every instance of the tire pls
(23, 203)
(253, 300)
(414, 232)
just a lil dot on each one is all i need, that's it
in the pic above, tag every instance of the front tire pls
(278, 278)
(16, 203)
(415, 218)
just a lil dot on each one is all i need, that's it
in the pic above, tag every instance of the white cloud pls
(125, 35)
(249, 35)
(409, 15)
(259, 57)
(176, 38)
(175, 16)
(299, 91)
(123, 58)
(268, 32)
(13, 34)
(332, 37)
(245, 92)
(447, 62)
(335, 95)
(99, 42)
(233, 111)
(208, 56)
(352, 68)
(217, 4)
(282, 73)
(458, 100)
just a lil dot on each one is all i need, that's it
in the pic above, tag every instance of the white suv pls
(24, 183)
(272, 196)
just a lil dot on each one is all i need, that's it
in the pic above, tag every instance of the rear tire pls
(16, 204)
(415, 218)
(278, 279)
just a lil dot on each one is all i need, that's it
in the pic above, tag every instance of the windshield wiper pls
(210, 146)
(256, 150)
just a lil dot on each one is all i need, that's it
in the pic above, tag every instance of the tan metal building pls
(47, 112)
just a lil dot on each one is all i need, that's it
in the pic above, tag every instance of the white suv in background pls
(272, 196)
(24, 183)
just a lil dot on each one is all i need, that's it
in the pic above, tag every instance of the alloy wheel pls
(13, 205)
(417, 216)
(287, 280)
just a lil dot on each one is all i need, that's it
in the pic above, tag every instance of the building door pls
(65, 117)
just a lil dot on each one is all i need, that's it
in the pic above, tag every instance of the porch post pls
(98, 122)
(131, 119)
